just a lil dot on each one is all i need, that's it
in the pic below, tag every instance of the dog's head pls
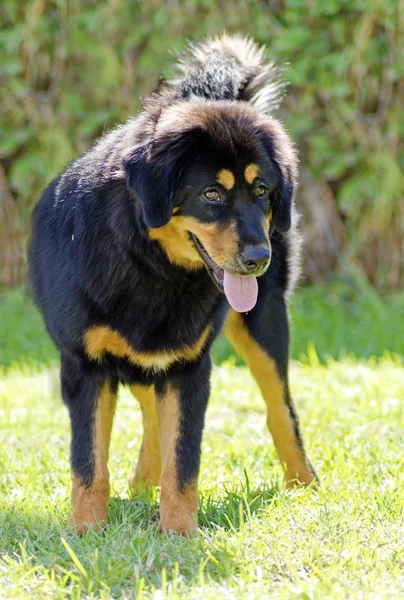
(213, 183)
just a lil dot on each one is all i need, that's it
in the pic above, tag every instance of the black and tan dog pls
(173, 224)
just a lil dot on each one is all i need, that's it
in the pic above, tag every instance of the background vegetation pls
(69, 70)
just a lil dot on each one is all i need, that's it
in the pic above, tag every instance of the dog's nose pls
(256, 258)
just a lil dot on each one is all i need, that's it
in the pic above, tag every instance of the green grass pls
(256, 539)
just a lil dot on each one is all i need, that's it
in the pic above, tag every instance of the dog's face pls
(212, 192)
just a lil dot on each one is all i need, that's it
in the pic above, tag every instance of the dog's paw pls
(81, 527)
(180, 526)
(89, 509)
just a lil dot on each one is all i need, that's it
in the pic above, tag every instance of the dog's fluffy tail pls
(229, 68)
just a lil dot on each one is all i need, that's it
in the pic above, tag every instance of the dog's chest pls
(153, 327)
(101, 340)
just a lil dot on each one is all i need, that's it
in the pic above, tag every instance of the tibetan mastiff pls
(172, 226)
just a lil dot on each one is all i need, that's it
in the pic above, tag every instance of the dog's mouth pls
(240, 291)
(216, 273)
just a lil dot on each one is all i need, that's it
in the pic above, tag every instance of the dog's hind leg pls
(261, 337)
(148, 469)
(91, 400)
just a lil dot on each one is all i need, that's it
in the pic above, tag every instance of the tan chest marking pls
(251, 172)
(226, 178)
(101, 339)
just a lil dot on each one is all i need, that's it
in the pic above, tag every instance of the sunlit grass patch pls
(256, 539)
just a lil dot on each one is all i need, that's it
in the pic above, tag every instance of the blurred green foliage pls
(69, 70)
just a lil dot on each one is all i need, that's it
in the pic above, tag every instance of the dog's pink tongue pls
(241, 292)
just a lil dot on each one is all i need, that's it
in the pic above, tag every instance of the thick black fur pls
(92, 261)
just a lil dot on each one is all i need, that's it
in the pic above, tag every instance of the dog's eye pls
(261, 191)
(211, 195)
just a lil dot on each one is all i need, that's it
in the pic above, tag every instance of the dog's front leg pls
(262, 338)
(181, 403)
(91, 400)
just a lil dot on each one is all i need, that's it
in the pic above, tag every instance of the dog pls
(172, 226)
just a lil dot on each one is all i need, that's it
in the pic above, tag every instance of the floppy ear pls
(152, 174)
(283, 156)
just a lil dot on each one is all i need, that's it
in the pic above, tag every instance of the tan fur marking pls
(220, 243)
(279, 421)
(175, 241)
(90, 504)
(226, 178)
(148, 469)
(100, 339)
(266, 225)
(178, 510)
(251, 172)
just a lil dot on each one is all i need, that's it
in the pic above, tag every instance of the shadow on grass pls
(24, 531)
(130, 553)
(228, 509)
(137, 511)
(235, 506)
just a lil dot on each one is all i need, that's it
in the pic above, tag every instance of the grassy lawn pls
(256, 539)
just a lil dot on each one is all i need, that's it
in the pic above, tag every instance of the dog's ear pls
(153, 172)
(282, 155)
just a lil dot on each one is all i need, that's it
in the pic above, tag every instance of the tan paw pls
(179, 511)
(181, 525)
(89, 506)
(81, 521)
(304, 477)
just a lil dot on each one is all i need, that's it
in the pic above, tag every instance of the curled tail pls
(229, 68)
